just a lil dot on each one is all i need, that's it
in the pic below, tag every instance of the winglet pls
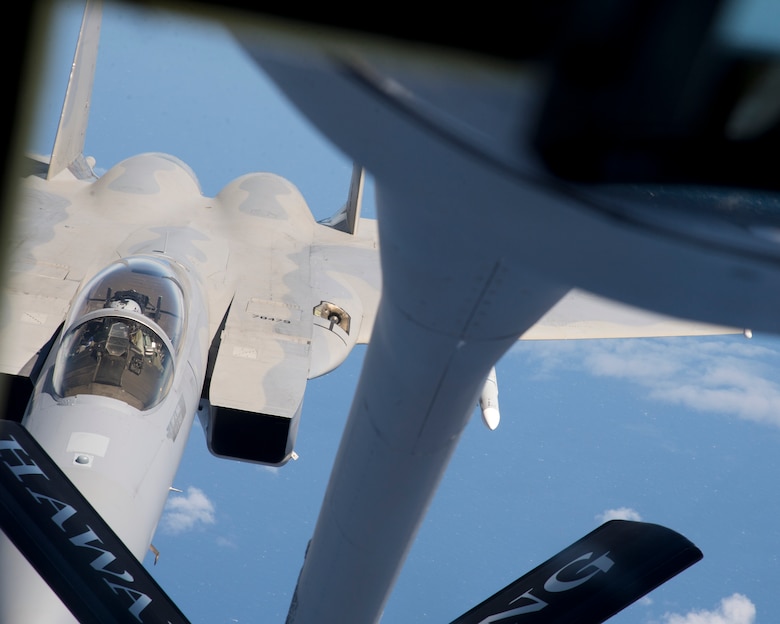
(68, 150)
(592, 579)
(347, 219)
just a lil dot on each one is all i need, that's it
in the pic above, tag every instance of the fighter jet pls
(134, 303)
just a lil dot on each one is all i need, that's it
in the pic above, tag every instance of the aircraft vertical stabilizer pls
(68, 150)
(348, 218)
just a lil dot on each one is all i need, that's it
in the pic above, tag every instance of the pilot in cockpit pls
(125, 304)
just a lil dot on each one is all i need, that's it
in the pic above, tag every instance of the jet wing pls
(43, 273)
(580, 315)
(34, 305)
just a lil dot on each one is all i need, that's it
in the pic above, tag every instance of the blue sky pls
(683, 432)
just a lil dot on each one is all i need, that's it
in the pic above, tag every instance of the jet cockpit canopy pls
(141, 284)
(129, 323)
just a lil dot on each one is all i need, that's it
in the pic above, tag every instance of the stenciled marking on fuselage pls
(555, 585)
(26, 471)
(177, 419)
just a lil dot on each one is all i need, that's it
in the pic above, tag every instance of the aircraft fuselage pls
(117, 395)
(114, 404)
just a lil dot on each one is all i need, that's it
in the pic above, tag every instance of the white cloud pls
(621, 513)
(727, 376)
(735, 609)
(274, 470)
(225, 542)
(183, 513)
